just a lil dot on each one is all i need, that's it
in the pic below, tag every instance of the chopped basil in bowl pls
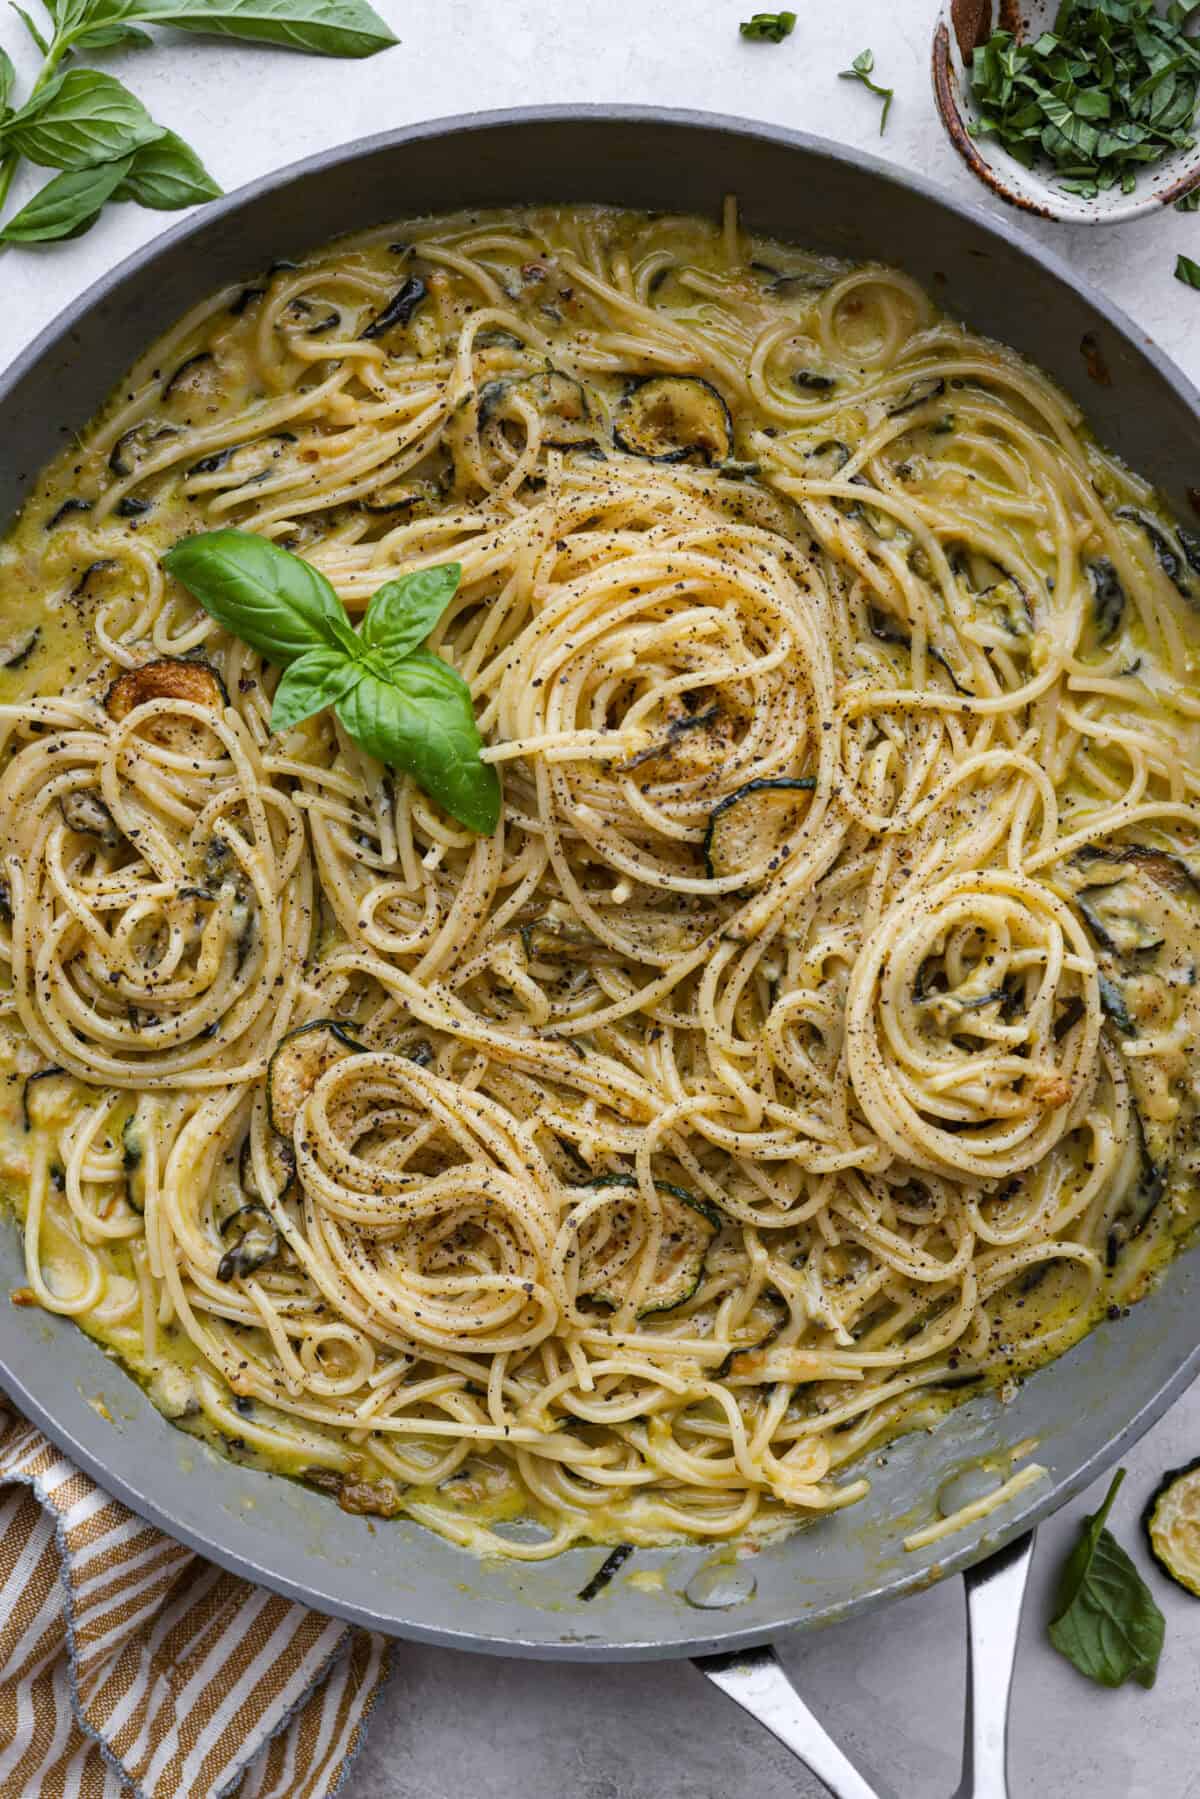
(1083, 111)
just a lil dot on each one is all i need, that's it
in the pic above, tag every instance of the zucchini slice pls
(84, 811)
(281, 1161)
(690, 1226)
(1172, 1524)
(1108, 598)
(749, 831)
(39, 1104)
(1165, 553)
(1115, 917)
(560, 401)
(136, 446)
(298, 1063)
(675, 418)
(20, 648)
(255, 1242)
(169, 678)
(133, 1153)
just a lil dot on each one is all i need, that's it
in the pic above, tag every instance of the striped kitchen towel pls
(128, 1665)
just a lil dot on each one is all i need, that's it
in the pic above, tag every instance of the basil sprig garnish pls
(398, 700)
(1106, 1621)
(100, 135)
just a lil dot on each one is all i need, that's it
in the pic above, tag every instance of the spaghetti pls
(811, 1039)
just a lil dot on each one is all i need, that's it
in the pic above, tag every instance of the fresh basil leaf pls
(322, 27)
(166, 175)
(274, 601)
(67, 206)
(422, 721)
(861, 69)
(68, 14)
(110, 37)
(311, 683)
(402, 613)
(30, 27)
(1189, 202)
(1187, 271)
(7, 76)
(78, 120)
(1106, 1622)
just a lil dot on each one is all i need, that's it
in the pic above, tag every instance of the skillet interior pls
(1085, 1408)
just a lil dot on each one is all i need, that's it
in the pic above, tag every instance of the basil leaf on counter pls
(66, 206)
(768, 27)
(402, 613)
(80, 119)
(30, 27)
(1187, 271)
(111, 37)
(322, 27)
(862, 69)
(274, 601)
(422, 720)
(1106, 1622)
(166, 175)
(400, 702)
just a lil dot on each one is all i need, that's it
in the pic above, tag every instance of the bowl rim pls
(91, 1442)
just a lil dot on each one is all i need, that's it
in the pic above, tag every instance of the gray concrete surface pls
(889, 1686)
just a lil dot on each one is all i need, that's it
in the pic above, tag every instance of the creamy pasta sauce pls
(813, 1041)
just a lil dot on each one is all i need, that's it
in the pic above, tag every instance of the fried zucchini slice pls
(168, 678)
(749, 832)
(297, 1065)
(560, 401)
(675, 418)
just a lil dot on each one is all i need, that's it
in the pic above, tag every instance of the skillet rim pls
(88, 1450)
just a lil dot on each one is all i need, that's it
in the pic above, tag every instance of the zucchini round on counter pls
(560, 402)
(690, 1225)
(749, 831)
(298, 1063)
(675, 418)
(1172, 1524)
(168, 678)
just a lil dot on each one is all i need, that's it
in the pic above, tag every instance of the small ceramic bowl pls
(962, 24)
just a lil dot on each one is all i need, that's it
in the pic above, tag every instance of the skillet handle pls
(755, 1680)
(995, 1591)
(995, 1594)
